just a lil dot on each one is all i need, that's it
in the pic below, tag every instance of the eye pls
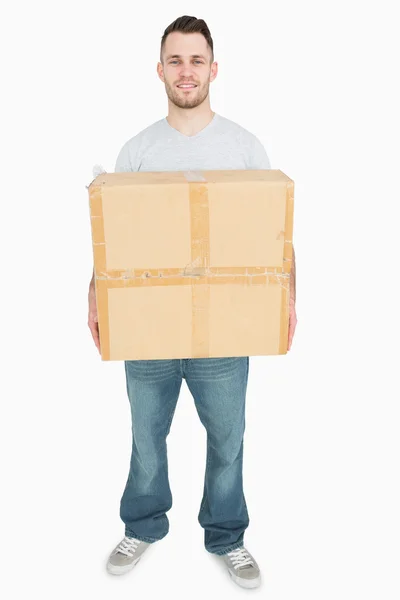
(175, 61)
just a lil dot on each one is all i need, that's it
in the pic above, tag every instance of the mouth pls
(186, 86)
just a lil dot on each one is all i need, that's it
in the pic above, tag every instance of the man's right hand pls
(92, 318)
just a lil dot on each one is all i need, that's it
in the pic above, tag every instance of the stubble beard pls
(181, 101)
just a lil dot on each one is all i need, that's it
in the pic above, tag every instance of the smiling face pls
(187, 70)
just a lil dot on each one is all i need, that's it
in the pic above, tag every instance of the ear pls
(160, 71)
(213, 71)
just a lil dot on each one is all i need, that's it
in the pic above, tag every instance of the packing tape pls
(200, 255)
(193, 176)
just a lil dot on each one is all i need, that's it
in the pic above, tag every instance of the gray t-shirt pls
(222, 144)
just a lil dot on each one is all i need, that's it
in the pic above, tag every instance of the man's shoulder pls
(149, 132)
(250, 144)
(235, 128)
(130, 154)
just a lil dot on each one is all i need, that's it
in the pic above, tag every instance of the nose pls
(186, 71)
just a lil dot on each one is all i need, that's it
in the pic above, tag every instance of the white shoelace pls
(240, 558)
(127, 546)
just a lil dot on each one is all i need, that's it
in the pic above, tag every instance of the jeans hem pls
(227, 549)
(143, 538)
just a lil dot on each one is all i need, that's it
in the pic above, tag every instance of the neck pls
(189, 121)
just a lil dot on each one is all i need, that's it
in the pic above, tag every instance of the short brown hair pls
(187, 24)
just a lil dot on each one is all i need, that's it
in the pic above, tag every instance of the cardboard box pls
(192, 264)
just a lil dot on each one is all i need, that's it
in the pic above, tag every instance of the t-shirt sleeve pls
(129, 157)
(258, 156)
(123, 163)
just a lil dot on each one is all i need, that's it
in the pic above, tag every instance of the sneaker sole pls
(119, 570)
(246, 583)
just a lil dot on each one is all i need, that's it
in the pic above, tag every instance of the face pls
(186, 60)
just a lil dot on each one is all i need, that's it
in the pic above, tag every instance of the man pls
(191, 137)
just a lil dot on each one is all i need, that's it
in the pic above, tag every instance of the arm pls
(92, 316)
(293, 280)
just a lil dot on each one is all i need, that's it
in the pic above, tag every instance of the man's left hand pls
(292, 322)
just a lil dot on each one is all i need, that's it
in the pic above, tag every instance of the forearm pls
(92, 285)
(293, 279)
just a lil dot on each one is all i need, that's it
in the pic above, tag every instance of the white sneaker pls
(126, 555)
(243, 568)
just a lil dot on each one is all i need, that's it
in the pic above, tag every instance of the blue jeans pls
(218, 386)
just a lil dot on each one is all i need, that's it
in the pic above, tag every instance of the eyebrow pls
(180, 56)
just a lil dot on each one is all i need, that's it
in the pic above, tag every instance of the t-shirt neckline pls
(198, 134)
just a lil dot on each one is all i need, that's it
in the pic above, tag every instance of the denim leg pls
(218, 386)
(153, 389)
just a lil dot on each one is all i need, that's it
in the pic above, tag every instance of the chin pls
(185, 104)
(192, 103)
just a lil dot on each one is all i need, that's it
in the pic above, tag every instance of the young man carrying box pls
(191, 137)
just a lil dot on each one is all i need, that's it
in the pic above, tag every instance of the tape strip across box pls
(210, 302)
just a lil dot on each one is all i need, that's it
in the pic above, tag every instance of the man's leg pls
(218, 386)
(153, 389)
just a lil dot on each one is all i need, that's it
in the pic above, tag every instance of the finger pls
(97, 342)
(94, 330)
(93, 322)
(95, 337)
(93, 326)
(290, 335)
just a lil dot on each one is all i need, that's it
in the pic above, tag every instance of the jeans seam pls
(208, 462)
(171, 416)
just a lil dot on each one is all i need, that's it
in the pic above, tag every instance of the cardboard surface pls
(192, 264)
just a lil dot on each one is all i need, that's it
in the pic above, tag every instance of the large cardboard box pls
(192, 264)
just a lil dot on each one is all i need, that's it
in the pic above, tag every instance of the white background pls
(317, 82)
